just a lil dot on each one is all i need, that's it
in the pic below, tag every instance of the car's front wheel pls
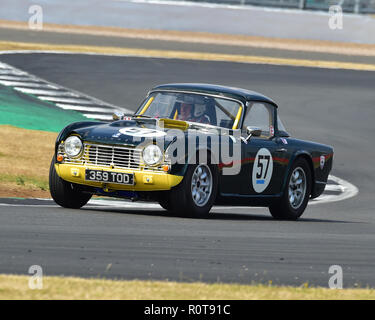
(64, 193)
(164, 201)
(196, 194)
(296, 195)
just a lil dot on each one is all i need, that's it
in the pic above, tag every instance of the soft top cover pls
(230, 92)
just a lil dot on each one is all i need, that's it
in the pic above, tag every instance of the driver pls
(200, 114)
(186, 111)
(193, 113)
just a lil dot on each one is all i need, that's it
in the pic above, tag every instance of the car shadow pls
(215, 216)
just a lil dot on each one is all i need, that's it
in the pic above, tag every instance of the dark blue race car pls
(189, 147)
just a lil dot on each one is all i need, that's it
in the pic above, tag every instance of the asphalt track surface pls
(240, 245)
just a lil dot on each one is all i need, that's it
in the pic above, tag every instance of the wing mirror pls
(252, 132)
(118, 116)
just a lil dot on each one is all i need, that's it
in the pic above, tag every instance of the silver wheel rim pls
(201, 185)
(297, 187)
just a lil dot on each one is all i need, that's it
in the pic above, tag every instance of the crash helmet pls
(199, 110)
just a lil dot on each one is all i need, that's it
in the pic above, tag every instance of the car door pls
(265, 157)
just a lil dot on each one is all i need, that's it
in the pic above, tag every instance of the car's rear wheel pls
(196, 194)
(296, 195)
(64, 193)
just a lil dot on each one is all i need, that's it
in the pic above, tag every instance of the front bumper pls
(143, 180)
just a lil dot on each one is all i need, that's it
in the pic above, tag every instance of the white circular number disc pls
(262, 170)
(142, 132)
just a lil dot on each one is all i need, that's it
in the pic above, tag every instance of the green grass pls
(24, 171)
(25, 181)
(16, 287)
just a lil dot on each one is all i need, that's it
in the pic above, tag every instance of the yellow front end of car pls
(143, 180)
(114, 167)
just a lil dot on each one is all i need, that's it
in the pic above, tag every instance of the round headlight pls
(152, 155)
(73, 146)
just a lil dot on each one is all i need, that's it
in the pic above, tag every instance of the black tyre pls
(297, 192)
(64, 193)
(196, 193)
(164, 201)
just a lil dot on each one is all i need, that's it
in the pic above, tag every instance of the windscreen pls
(192, 107)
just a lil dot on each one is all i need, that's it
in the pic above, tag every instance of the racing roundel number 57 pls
(262, 170)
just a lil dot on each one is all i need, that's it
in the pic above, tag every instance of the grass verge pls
(16, 287)
(25, 156)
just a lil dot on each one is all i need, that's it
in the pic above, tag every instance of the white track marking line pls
(28, 205)
(334, 187)
(4, 66)
(37, 92)
(12, 72)
(10, 77)
(122, 204)
(57, 206)
(66, 100)
(348, 191)
(84, 108)
(26, 84)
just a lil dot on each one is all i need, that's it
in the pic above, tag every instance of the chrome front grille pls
(110, 156)
(106, 156)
